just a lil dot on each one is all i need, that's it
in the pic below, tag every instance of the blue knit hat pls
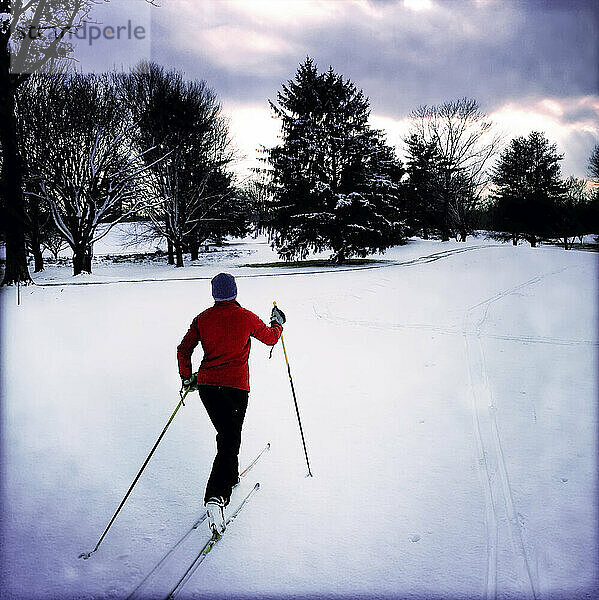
(224, 287)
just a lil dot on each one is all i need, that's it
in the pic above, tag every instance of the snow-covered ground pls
(114, 254)
(449, 407)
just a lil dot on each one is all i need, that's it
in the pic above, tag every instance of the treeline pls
(99, 149)
(153, 146)
(531, 201)
(334, 183)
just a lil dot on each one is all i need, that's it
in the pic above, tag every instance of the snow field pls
(449, 412)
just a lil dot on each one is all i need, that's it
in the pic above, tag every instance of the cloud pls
(521, 55)
(401, 57)
(418, 5)
(395, 129)
(570, 123)
(552, 115)
(238, 50)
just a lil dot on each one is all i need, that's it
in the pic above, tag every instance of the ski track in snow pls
(497, 490)
(324, 313)
(501, 517)
(139, 589)
(510, 555)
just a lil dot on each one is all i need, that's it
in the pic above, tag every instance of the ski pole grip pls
(272, 347)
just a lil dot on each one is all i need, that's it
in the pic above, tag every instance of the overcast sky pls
(531, 64)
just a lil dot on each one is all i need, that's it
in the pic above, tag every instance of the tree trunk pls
(533, 241)
(35, 238)
(566, 247)
(87, 263)
(179, 255)
(194, 246)
(82, 260)
(171, 252)
(339, 257)
(11, 182)
(514, 240)
(445, 215)
(38, 258)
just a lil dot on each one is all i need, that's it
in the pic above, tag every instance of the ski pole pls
(295, 402)
(86, 555)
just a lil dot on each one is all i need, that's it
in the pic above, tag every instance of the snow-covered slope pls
(449, 407)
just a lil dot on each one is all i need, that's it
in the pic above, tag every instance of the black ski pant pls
(226, 408)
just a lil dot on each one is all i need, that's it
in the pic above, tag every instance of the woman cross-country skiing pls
(224, 330)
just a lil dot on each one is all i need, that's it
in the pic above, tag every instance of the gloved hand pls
(190, 383)
(277, 316)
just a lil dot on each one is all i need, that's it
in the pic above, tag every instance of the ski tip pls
(86, 555)
(268, 446)
(257, 486)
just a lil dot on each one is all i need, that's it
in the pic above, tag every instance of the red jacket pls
(224, 331)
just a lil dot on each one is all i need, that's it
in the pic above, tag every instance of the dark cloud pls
(497, 52)
(578, 114)
(491, 52)
(544, 53)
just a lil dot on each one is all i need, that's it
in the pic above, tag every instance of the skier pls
(224, 331)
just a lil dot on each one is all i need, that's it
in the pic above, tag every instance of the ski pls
(214, 539)
(241, 476)
(251, 465)
(196, 524)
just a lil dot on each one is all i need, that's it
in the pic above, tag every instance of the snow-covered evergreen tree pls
(335, 184)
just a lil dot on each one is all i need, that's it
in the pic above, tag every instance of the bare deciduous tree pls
(24, 50)
(32, 39)
(573, 211)
(87, 171)
(54, 242)
(257, 196)
(465, 141)
(33, 121)
(193, 183)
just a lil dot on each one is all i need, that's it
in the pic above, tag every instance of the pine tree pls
(335, 184)
(423, 202)
(528, 186)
